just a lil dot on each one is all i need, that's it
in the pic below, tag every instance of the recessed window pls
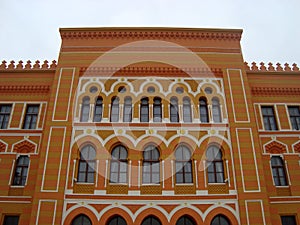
(81, 220)
(208, 90)
(203, 109)
(216, 110)
(269, 118)
(11, 220)
(93, 89)
(127, 111)
(144, 110)
(5, 111)
(21, 170)
(31, 116)
(151, 89)
(215, 167)
(114, 116)
(151, 166)
(98, 110)
(174, 115)
(157, 110)
(220, 220)
(288, 220)
(86, 166)
(179, 90)
(185, 220)
(117, 220)
(118, 165)
(151, 220)
(183, 165)
(278, 171)
(122, 89)
(294, 112)
(187, 112)
(85, 109)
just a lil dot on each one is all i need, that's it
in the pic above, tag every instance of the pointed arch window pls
(174, 115)
(151, 165)
(220, 220)
(98, 110)
(215, 167)
(117, 220)
(144, 113)
(86, 166)
(183, 165)
(114, 116)
(203, 110)
(185, 220)
(187, 112)
(118, 165)
(81, 220)
(157, 110)
(278, 171)
(127, 111)
(21, 170)
(216, 110)
(85, 109)
(151, 220)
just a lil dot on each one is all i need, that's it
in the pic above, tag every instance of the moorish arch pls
(191, 213)
(77, 210)
(210, 216)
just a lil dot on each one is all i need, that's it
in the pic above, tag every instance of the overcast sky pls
(29, 28)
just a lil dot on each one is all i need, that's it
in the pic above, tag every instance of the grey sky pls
(29, 29)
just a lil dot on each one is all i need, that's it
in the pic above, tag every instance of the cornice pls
(29, 66)
(269, 91)
(271, 69)
(26, 88)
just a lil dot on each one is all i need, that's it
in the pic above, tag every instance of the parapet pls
(28, 66)
(270, 68)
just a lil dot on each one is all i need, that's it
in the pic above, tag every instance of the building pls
(149, 126)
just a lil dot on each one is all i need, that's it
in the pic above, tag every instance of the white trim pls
(272, 172)
(204, 171)
(163, 173)
(172, 172)
(27, 175)
(129, 174)
(262, 210)
(11, 172)
(73, 174)
(287, 171)
(106, 173)
(139, 173)
(6, 145)
(39, 208)
(228, 174)
(196, 174)
(97, 172)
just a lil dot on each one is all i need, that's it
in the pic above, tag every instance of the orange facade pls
(149, 126)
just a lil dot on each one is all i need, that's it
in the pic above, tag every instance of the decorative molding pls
(271, 68)
(275, 148)
(28, 66)
(27, 88)
(274, 91)
(297, 147)
(24, 147)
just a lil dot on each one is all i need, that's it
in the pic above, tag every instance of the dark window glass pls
(114, 116)
(85, 109)
(117, 220)
(5, 111)
(11, 220)
(216, 111)
(151, 220)
(187, 113)
(183, 165)
(269, 118)
(31, 116)
(278, 171)
(174, 116)
(157, 110)
(220, 220)
(184, 220)
(21, 170)
(81, 220)
(215, 168)
(127, 111)
(144, 114)
(151, 165)
(98, 110)
(86, 166)
(203, 110)
(294, 112)
(288, 220)
(118, 165)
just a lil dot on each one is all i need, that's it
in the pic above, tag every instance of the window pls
(98, 110)
(4, 116)
(203, 110)
(31, 116)
(151, 167)
(21, 170)
(127, 112)
(269, 118)
(11, 220)
(187, 114)
(183, 165)
(118, 166)
(215, 169)
(114, 117)
(117, 220)
(216, 111)
(81, 220)
(144, 117)
(157, 110)
(294, 112)
(85, 109)
(278, 171)
(86, 166)
(220, 220)
(184, 220)
(174, 116)
(151, 220)
(288, 220)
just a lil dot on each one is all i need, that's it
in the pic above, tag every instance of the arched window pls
(215, 168)
(81, 220)
(157, 110)
(185, 220)
(86, 166)
(187, 114)
(220, 220)
(127, 111)
(278, 171)
(183, 165)
(118, 165)
(174, 116)
(151, 220)
(151, 167)
(114, 116)
(203, 110)
(98, 110)
(21, 170)
(144, 110)
(216, 111)
(117, 220)
(85, 109)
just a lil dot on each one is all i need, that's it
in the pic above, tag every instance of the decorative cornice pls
(275, 91)
(278, 68)
(28, 66)
(25, 88)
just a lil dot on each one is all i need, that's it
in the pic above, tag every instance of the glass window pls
(81, 220)
(11, 220)
(183, 165)
(127, 112)
(174, 116)
(85, 109)
(118, 165)
(185, 220)
(203, 110)
(31, 116)
(21, 170)
(5, 111)
(117, 220)
(144, 113)
(86, 166)
(151, 165)
(98, 110)
(269, 118)
(157, 110)
(187, 113)
(294, 112)
(114, 117)
(278, 171)
(215, 168)
(216, 110)
(151, 220)
(288, 220)
(220, 220)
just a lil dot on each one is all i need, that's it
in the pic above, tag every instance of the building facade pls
(149, 126)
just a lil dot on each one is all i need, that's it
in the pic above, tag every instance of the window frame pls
(22, 167)
(150, 217)
(87, 164)
(157, 106)
(291, 216)
(267, 118)
(216, 110)
(187, 110)
(10, 215)
(213, 163)
(219, 216)
(150, 162)
(110, 221)
(184, 222)
(85, 106)
(144, 105)
(34, 116)
(118, 161)
(98, 107)
(174, 110)
(127, 110)
(204, 117)
(277, 176)
(182, 164)
(5, 116)
(115, 110)
(294, 119)
(81, 216)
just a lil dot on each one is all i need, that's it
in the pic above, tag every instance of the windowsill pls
(185, 184)
(217, 183)
(17, 186)
(125, 184)
(85, 183)
(151, 185)
(286, 186)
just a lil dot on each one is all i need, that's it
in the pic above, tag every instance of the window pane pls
(288, 220)
(188, 178)
(11, 220)
(211, 178)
